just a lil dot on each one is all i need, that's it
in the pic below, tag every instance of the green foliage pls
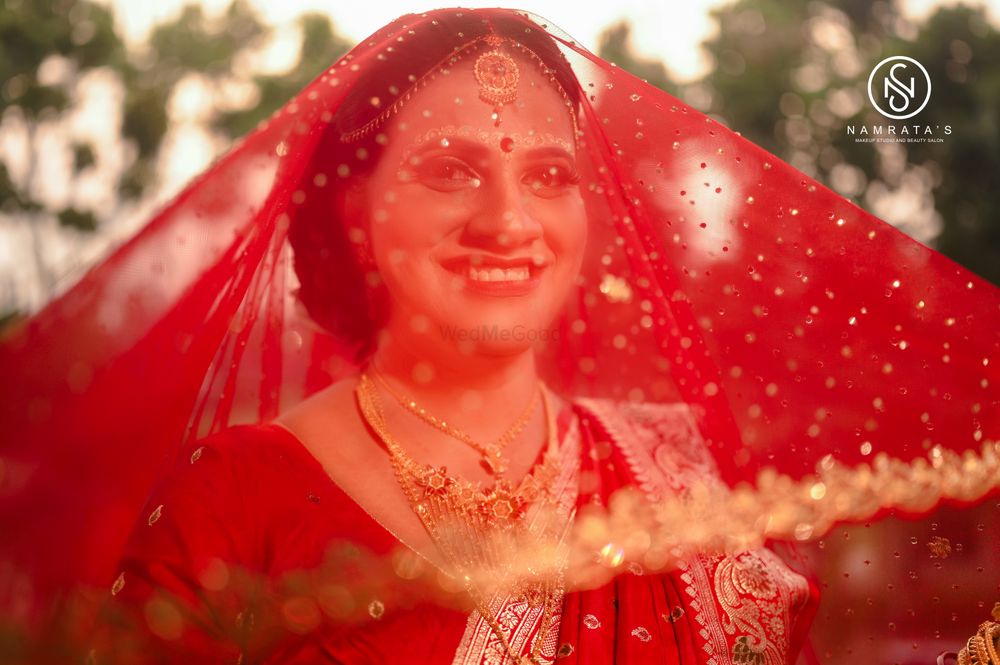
(82, 220)
(961, 52)
(774, 80)
(80, 36)
(615, 45)
(790, 75)
(320, 47)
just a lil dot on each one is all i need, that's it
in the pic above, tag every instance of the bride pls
(455, 216)
(530, 292)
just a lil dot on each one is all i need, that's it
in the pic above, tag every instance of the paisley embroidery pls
(741, 606)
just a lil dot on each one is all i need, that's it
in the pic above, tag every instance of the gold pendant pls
(493, 461)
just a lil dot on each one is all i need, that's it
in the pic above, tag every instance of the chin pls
(495, 336)
(494, 349)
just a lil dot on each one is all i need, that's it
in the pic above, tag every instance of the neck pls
(482, 392)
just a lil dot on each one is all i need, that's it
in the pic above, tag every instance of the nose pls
(504, 220)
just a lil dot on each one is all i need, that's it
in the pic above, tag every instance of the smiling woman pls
(462, 358)
(459, 207)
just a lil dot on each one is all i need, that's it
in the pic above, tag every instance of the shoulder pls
(234, 462)
(240, 444)
(661, 441)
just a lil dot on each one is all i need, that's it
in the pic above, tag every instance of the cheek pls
(566, 230)
(412, 216)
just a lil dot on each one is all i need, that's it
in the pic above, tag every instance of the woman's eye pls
(550, 179)
(447, 174)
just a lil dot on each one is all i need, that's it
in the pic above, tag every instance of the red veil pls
(853, 367)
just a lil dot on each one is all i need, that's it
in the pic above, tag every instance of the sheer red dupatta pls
(806, 334)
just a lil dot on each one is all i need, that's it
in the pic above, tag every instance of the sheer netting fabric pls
(839, 372)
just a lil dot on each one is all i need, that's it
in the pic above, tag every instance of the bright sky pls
(669, 30)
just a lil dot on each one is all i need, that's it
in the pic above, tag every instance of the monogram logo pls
(899, 87)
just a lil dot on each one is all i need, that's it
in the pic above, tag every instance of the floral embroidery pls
(939, 547)
(750, 577)
(376, 609)
(565, 650)
(592, 622)
(741, 606)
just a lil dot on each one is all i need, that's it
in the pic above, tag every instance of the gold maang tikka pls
(495, 71)
(497, 75)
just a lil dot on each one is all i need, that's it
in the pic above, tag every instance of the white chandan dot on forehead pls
(445, 143)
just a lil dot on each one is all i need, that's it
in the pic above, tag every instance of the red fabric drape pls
(797, 325)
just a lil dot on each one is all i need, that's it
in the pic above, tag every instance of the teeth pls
(518, 274)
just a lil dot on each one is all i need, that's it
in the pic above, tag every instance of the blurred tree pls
(71, 37)
(48, 47)
(961, 51)
(792, 75)
(615, 45)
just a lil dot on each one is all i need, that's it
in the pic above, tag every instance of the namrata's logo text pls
(899, 87)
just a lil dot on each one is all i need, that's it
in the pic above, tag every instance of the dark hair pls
(339, 293)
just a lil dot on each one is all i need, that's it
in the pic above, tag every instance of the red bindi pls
(507, 144)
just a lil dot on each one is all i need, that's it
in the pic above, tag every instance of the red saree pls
(253, 498)
(835, 370)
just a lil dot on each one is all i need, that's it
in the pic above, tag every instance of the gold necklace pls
(493, 460)
(463, 520)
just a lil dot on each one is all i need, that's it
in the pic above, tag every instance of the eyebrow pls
(550, 151)
(461, 142)
(479, 149)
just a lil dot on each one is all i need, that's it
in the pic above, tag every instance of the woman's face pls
(478, 231)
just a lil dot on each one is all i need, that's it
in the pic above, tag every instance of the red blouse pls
(219, 568)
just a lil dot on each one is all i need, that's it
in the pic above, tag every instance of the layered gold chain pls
(480, 531)
(492, 453)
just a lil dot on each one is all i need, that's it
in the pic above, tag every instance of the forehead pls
(452, 99)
